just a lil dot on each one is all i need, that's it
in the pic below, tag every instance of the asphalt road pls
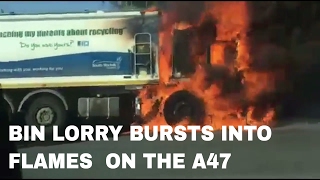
(292, 152)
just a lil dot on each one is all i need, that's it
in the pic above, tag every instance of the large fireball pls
(235, 92)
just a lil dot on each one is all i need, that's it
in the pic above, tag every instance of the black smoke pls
(293, 27)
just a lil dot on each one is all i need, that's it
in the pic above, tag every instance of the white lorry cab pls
(86, 64)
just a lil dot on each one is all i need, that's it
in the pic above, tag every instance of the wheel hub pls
(45, 116)
(182, 110)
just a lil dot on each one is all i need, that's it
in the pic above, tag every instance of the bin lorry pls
(88, 64)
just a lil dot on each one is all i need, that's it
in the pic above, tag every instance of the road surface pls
(292, 152)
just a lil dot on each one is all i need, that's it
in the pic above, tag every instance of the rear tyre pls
(47, 111)
(181, 105)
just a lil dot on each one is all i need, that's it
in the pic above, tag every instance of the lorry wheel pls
(47, 111)
(183, 104)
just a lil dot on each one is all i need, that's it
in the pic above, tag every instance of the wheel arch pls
(32, 94)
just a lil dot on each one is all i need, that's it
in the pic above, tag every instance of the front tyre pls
(181, 105)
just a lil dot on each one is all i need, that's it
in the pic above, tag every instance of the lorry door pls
(182, 64)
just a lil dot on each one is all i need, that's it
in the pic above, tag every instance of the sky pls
(53, 6)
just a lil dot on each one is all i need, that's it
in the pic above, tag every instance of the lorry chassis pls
(64, 106)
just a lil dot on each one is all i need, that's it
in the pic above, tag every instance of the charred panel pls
(183, 53)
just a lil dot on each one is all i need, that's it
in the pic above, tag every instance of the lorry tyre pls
(47, 111)
(183, 104)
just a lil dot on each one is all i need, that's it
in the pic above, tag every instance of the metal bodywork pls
(63, 50)
(80, 57)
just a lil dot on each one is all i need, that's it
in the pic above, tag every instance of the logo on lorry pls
(107, 64)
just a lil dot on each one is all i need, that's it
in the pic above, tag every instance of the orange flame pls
(232, 23)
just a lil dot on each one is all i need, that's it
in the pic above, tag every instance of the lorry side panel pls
(97, 46)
